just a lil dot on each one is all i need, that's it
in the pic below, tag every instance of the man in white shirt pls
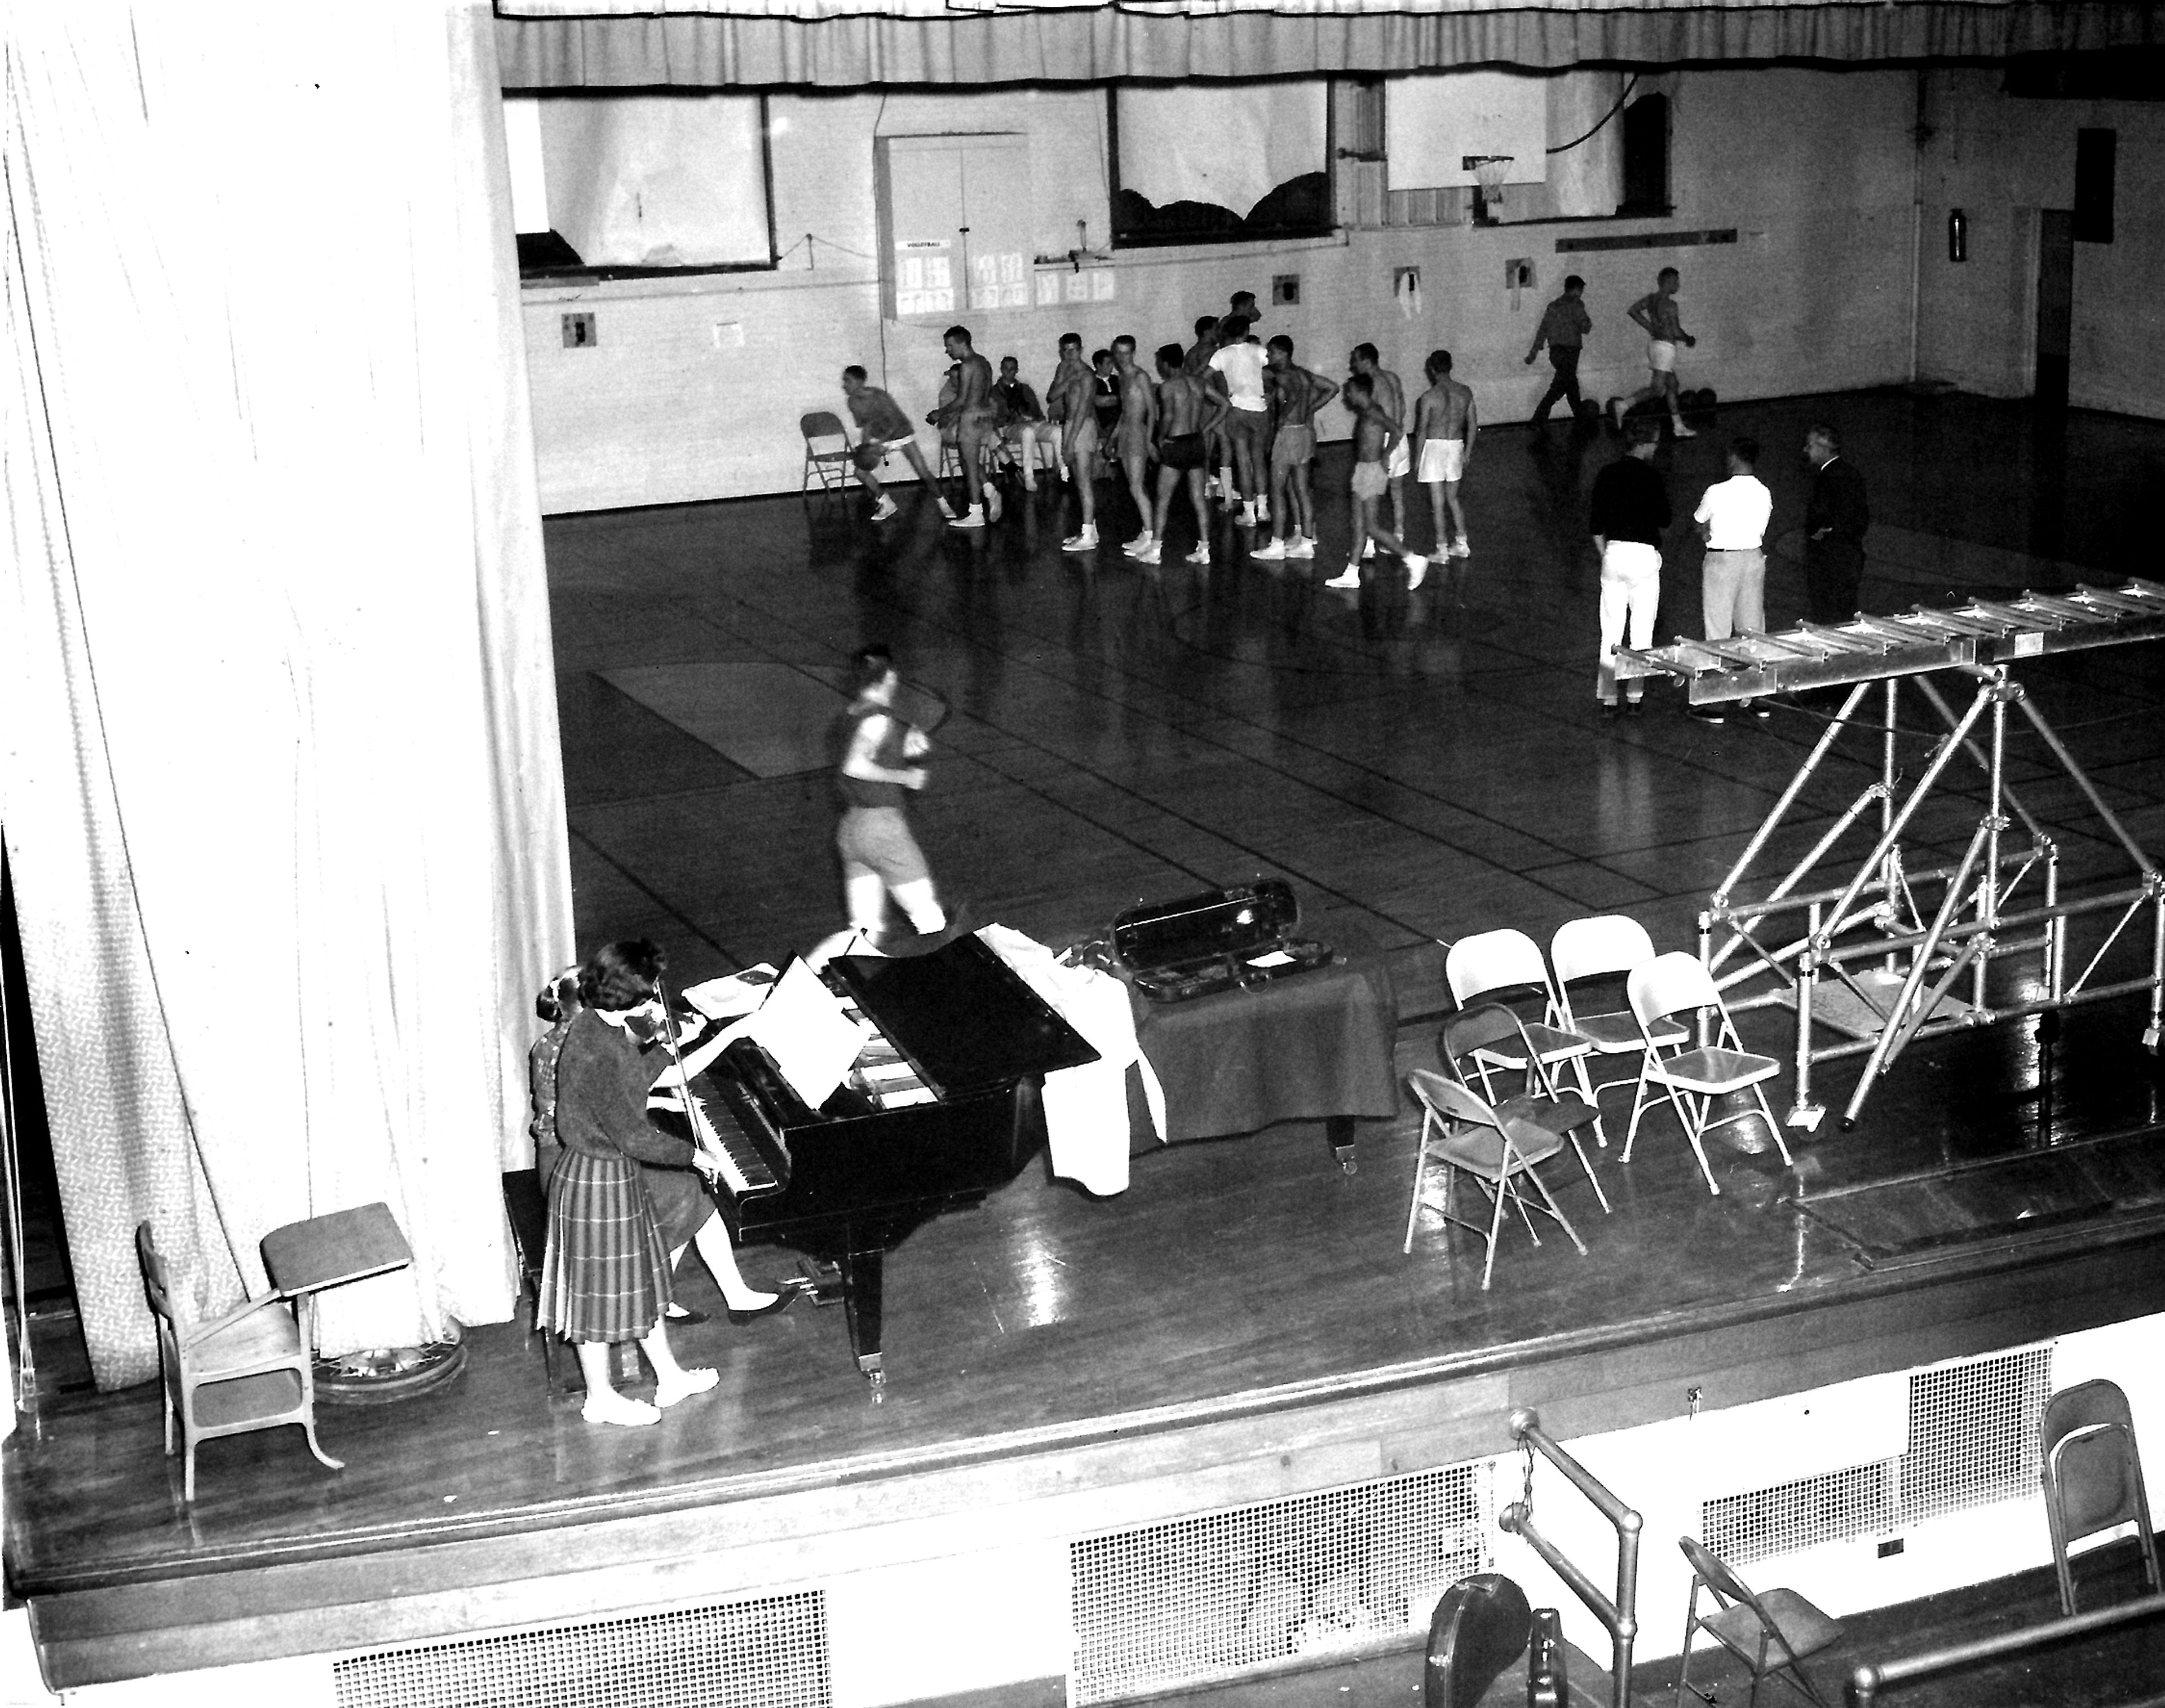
(1237, 371)
(1732, 520)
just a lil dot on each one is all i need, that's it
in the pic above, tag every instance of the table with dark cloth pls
(1313, 1047)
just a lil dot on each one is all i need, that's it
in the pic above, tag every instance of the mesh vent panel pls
(770, 1654)
(1202, 1597)
(1974, 1432)
(1829, 1507)
(1973, 1440)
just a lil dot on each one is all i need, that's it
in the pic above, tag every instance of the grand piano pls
(943, 1105)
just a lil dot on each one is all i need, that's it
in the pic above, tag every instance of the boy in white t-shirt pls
(1732, 519)
(1238, 366)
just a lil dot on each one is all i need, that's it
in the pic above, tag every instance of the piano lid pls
(962, 1015)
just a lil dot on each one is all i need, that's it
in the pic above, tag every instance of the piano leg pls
(1339, 1128)
(862, 1275)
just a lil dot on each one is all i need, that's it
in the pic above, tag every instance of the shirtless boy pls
(1133, 438)
(1374, 433)
(1656, 313)
(1445, 427)
(883, 427)
(1064, 373)
(1186, 411)
(976, 424)
(1391, 398)
(1297, 394)
(1070, 400)
(1197, 362)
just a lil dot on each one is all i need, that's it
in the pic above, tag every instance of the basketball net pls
(1489, 173)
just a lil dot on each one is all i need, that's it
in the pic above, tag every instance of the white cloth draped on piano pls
(1086, 1108)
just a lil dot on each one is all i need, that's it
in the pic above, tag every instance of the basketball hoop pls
(1489, 170)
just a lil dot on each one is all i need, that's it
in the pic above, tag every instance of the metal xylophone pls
(1982, 633)
(1897, 946)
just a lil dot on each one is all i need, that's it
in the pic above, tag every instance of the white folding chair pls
(1488, 962)
(1496, 1151)
(1606, 945)
(1676, 984)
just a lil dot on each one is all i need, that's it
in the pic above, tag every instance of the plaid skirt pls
(606, 1273)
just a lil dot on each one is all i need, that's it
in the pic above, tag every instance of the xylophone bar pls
(1869, 649)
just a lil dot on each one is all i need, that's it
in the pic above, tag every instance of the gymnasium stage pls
(1240, 1323)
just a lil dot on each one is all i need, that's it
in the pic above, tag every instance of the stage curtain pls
(282, 790)
(850, 43)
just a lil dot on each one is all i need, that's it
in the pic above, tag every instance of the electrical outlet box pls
(1405, 280)
(1285, 290)
(579, 332)
(1517, 275)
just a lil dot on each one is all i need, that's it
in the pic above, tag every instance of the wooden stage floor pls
(1419, 766)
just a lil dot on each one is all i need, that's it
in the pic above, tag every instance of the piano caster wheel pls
(1348, 1162)
(876, 1374)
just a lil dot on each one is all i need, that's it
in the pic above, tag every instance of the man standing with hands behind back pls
(1732, 520)
(1835, 517)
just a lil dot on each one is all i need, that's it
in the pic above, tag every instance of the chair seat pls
(1568, 1114)
(1619, 1035)
(1714, 1070)
(1550, 1044)
(1480, 1150)
(264, 1336)
(1801, 1630)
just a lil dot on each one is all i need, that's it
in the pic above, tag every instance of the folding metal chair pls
(2093, 1476)
(1770, 1633)
(1509, 960)
(1606, 945)
(1564, 1113)
(826, 451)
(1674, 983)
(1495, 1150)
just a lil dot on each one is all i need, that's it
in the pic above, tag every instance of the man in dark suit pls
(1834, 520)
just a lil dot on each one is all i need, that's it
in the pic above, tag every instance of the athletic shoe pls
(1347, 582)
(946, 509)
(1210, 487)
(975, 518)
(1153, 553)
(1276, 550)
(1262, 509)
(1087, 541)
(884, 508)
(992, 502)
(1202, 554)
(1416, 570)
(1367, 549)
(1138, 545)
(1613, 408)
(1248, 513)
(1682, 431)
(1705, 714)
(1300, 545)
(1458, 548)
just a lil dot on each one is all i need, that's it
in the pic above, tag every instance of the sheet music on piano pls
(803, 1025)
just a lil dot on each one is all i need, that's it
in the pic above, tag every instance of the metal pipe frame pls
(1980, 887)
(1620, 1616)
(1866, 1683)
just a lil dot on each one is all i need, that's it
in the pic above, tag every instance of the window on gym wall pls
(1220, 162)
(618, 186)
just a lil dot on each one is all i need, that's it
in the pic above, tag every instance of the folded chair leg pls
(1541, 1186)
(1413, 1210)
(1774, 1126)
(1591, 1179)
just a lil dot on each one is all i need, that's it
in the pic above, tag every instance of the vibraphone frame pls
(1875, 914)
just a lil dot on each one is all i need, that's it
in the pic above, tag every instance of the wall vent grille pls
(1972, 1441)
(1832, 1506)
(1974, 1432)
(1201, 1598)
(767, 1653)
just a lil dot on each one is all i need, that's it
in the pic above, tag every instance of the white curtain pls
(1587, 179)
(282, 789)
(1228, 145)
